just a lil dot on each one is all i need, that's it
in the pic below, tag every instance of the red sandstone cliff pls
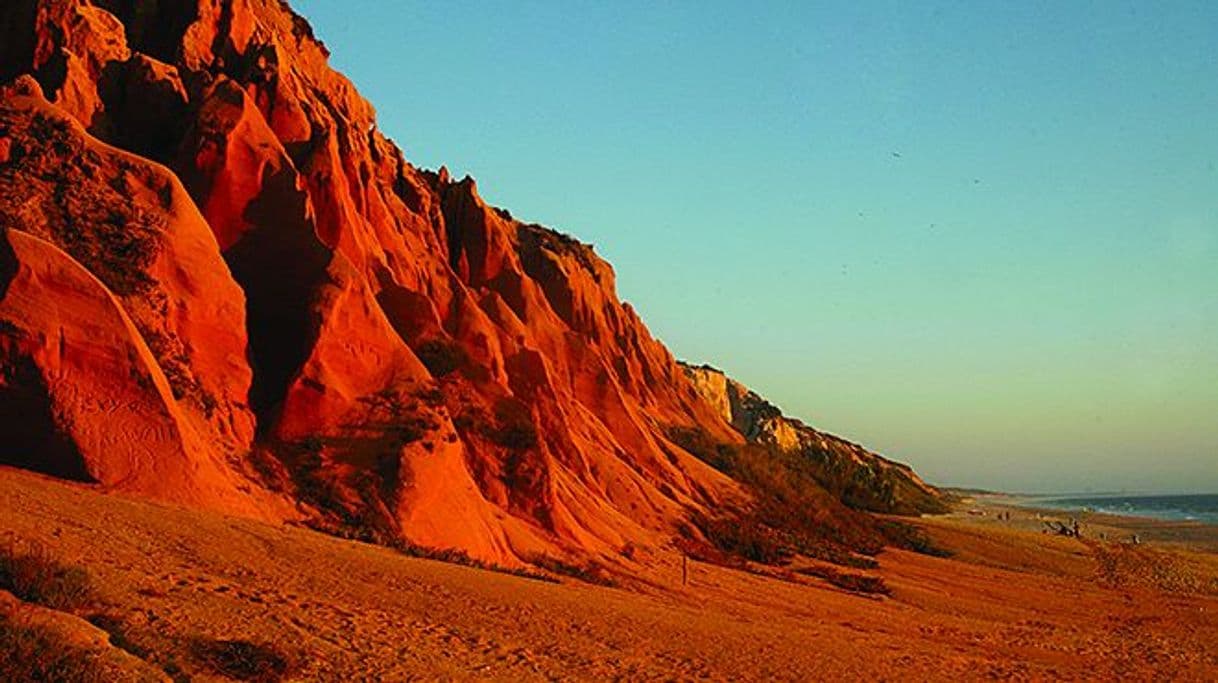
(221, 285)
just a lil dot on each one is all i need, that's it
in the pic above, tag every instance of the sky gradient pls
(980, 238)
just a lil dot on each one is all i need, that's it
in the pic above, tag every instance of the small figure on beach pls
(1070, 529)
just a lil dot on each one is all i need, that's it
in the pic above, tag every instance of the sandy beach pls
(1010, 604)
(1032, 514)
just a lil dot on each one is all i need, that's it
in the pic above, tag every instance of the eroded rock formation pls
(204, 227)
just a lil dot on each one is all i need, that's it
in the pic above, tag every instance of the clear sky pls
(979, 237)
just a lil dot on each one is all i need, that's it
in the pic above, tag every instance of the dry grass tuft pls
(591, 573)
(28, 653)
(855, 583)
(243, 660)
(34, 576)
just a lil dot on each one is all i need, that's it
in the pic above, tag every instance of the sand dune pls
(1011, 605)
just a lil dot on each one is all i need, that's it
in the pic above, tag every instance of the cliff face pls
(860, 478)
(242, 266)
(122, 333)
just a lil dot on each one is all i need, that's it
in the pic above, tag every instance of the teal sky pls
(980, 237)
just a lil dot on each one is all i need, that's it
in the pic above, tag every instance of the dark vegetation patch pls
(353, 505)
(855, 583)
(431, 396)
(174, 361)
(394, 419)
(243, 660)
(120, 634)
(149, 644)
(745, 536)
(352, 479)
(791, 512)
(101, 225)
(875, 486)
(510, 425)
(909, 537)
(444, 357)
(34, 576)
(441, 358)
(588, 573)
(266, 468)
(514, 428)
(456, 556)
(30, 653)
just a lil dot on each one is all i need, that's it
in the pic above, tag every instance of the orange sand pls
(1012, 604)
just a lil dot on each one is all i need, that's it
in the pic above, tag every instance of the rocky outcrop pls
(123, 333)
(333, 325)
(860, 478)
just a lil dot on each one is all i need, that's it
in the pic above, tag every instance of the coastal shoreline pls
(1032, 514)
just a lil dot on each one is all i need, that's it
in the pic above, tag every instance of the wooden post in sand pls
(684, 569)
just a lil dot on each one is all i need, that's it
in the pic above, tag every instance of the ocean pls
(1201, 508)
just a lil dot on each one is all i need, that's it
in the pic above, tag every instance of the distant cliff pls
(860, 478)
